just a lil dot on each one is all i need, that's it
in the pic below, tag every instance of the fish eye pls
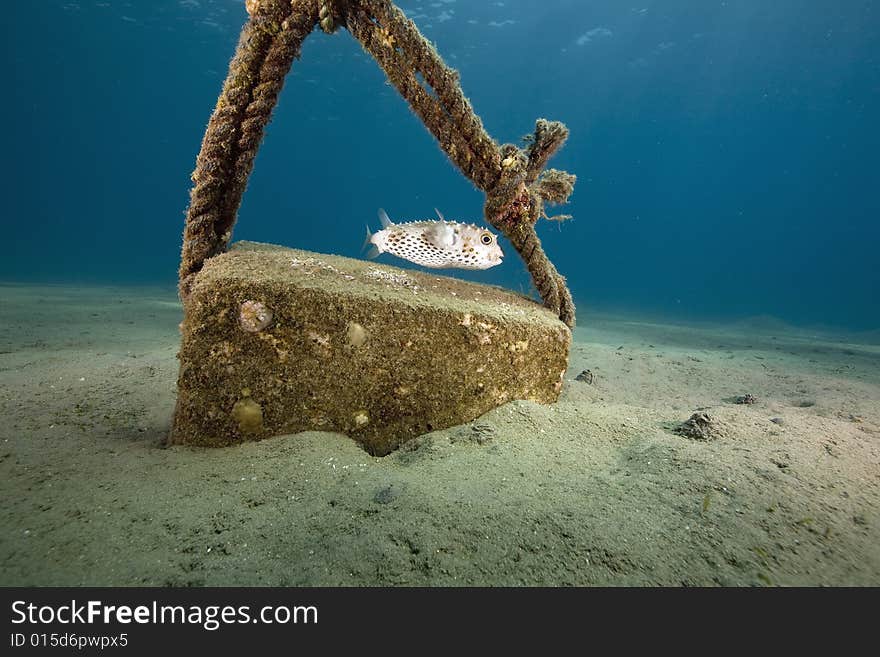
(486, 238)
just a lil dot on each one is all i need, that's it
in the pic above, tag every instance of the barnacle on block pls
(355, 335)
(254, 316)
(249, 415)
(320, 340)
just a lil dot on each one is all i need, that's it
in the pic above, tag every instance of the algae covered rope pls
(477, 154)
(327, 16)
(472, 150)
(269, 43)
(518, 200)
(514, 180)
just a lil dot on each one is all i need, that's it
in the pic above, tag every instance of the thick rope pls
(327, 16)
(421, 57)
(269, 43)
(514, 180)
(516, 203)
(391, 44)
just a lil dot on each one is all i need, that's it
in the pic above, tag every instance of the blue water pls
(727, 152)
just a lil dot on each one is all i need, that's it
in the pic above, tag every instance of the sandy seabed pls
(595, 490)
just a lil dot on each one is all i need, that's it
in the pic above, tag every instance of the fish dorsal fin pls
(383, 217)
(440, 214)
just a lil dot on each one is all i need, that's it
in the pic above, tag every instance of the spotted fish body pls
(437, 244)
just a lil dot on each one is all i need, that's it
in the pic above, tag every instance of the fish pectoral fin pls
(441, 235)
(373, 253)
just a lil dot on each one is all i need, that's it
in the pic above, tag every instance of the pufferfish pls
(436, 244)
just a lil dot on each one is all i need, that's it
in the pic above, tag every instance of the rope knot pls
(523, 188)
(508, 202)
(552, 186)
(516, 201)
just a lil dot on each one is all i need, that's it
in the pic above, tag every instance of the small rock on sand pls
(479, 433)
(698, 427)
(386, 495)
(586, 377)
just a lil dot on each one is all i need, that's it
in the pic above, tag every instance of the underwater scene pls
(440, 293)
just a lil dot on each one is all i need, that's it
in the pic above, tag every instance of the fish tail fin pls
(374, 250)
(367, 239)
(383, 217)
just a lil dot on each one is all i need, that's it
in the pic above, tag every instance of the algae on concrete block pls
(278, 341)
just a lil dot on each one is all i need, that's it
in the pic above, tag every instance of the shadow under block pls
(277, 341)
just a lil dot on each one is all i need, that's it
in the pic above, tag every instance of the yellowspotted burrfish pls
(436, 244)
